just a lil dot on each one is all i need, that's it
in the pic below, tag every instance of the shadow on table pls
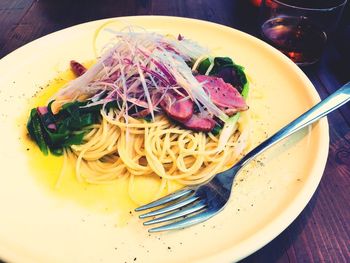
(240, 14)
(66, 13)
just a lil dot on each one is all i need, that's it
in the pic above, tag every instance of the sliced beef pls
(223, 95)
(182, 110)
(197, 123)
(77, 68)
(177, 107)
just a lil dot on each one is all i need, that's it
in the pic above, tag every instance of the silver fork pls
(197, 204)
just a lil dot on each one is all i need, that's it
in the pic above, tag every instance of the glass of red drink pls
(300, 28)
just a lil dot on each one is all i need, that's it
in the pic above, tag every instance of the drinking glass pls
(300, 28)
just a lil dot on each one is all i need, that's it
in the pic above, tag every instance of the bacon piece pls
(52, 126)
(141, 114)
(197, 123)
(77, 68)
(177, 107)
(46, 117)
(42, 110)
(223, 94)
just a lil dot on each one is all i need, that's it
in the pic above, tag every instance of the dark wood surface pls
(321, 233)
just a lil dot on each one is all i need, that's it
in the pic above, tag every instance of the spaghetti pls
(113, 149)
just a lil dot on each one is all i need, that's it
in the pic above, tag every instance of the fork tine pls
(171, 207)
(189, 221)
(200, 205)
(165, 199)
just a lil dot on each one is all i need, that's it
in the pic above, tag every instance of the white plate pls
(38, 226)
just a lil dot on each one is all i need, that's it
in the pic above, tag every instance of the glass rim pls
(341, 3)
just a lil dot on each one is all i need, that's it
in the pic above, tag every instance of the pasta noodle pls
(113, 149)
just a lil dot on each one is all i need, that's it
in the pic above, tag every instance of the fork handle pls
(321, 109)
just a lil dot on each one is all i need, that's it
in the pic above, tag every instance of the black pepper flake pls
(27, 149)
(169, 248)
(134, 259)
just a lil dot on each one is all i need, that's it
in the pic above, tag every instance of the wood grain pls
(321, 233)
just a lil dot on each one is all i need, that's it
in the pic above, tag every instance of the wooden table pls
(321, 233)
